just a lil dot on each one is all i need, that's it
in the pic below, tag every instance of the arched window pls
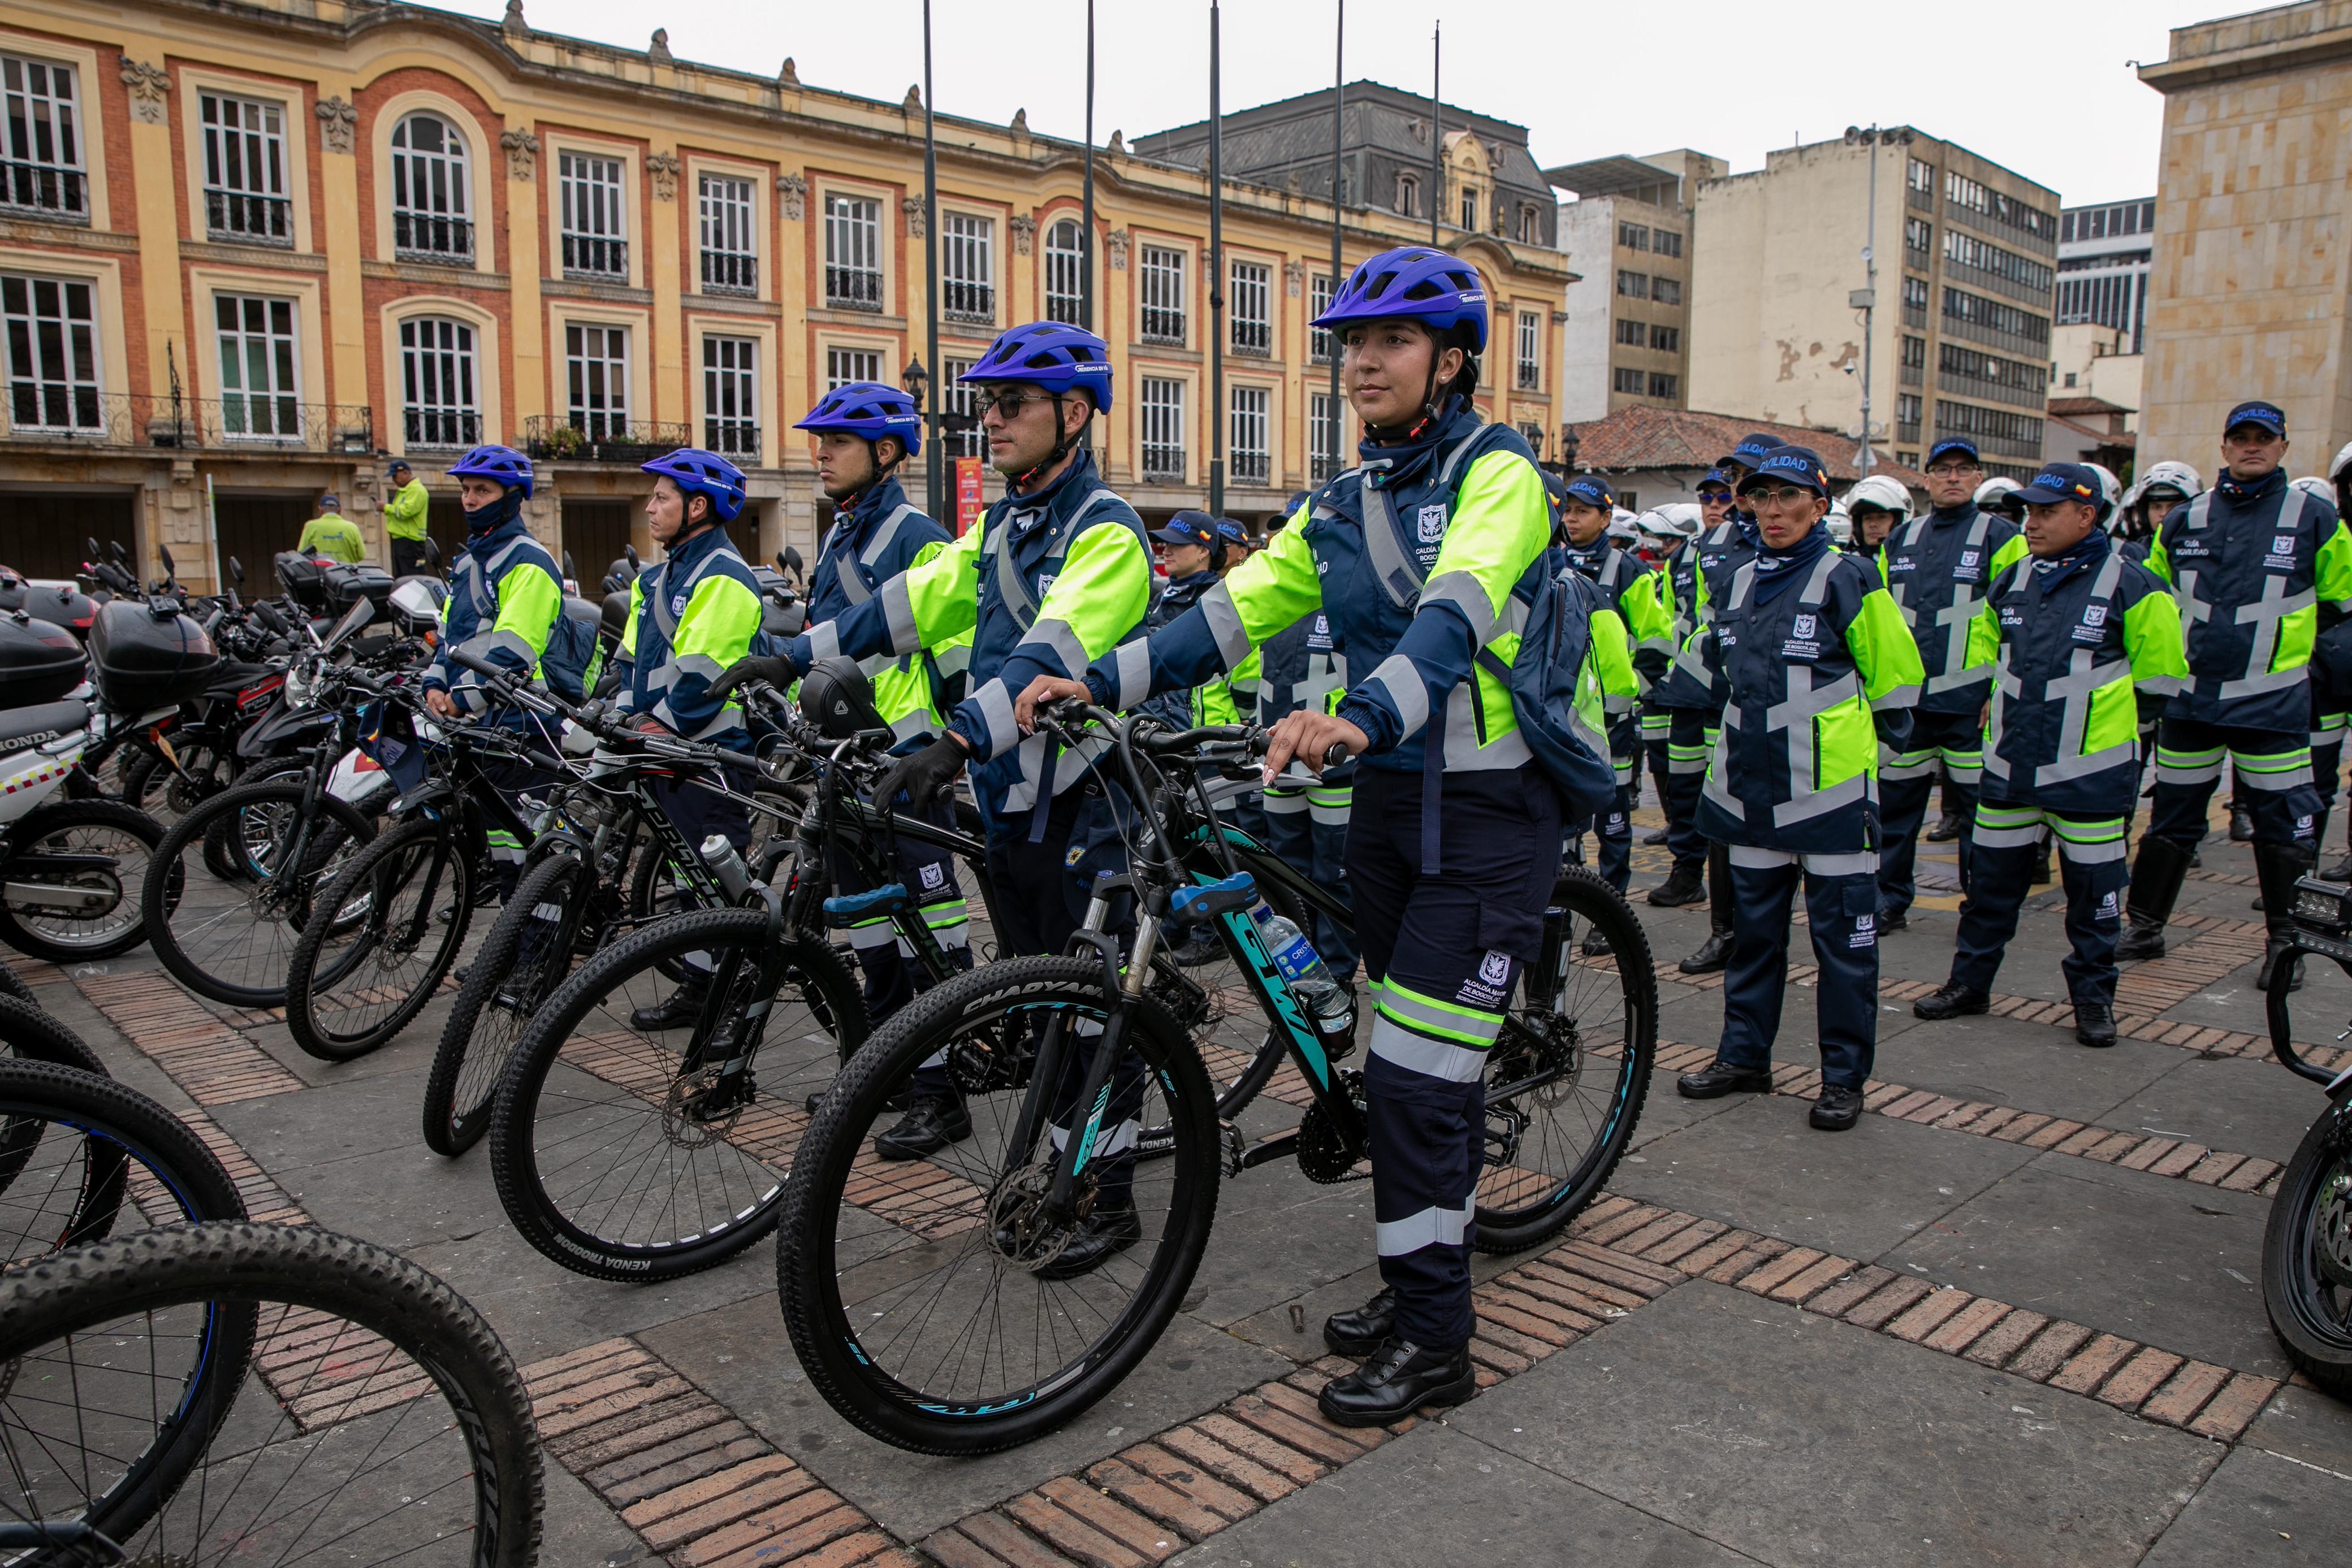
(1064, 274)
(431, 218)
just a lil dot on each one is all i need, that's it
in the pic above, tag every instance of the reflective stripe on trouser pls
(2327, 731)
(1314, 843)
(523, 787)
(698, 813)
(1842, 904)
(1688, 744)
(2273, 768)
(2091, 867)
(1958, 741)
(887, 961)
(1446, 950)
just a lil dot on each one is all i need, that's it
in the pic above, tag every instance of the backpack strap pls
(663, 616)
(852, 570)
(1017, 597)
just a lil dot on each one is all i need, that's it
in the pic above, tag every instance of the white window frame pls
(729, 209)
(1530, 351)
(440, 382)
(61, 389)
(1249, 313)
(1159, 404)
(853, 252)
(1249, 436)
(259, 339)
(1324, 424)
(957, 397)
(42, 139)
(968, 267)
(1469, 209)
(1319, 289)
(1161, 298)
(436, 220)
(593, 212)
(248, 197)
(847, 362)
(596, 356)
(1065, 271)
(730, 395)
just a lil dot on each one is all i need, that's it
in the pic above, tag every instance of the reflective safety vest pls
(1795, 765)
(689, 618)
(504, 596)
(1716, 558)
(2069, 664)
(2249, 571)
(1638, 596)
(1936, 568)
(881, 536)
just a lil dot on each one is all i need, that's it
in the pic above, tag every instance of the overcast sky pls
(2041, 86)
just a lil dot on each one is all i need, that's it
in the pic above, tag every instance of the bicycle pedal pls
(1235, 1147)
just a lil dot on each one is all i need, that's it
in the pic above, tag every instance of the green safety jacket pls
(404, 511)
(335, 536)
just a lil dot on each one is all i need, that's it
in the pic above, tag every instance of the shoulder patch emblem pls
(1433, 523)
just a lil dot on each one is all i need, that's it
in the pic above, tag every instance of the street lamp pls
(917, 381)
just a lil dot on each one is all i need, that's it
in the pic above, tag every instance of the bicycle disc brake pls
(1326, 1153)
(1019, 1231)
(2331, 1220)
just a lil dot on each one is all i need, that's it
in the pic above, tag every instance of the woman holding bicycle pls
(1422, 546)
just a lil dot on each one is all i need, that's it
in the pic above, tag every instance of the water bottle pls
(726, 863)
(1302, 970)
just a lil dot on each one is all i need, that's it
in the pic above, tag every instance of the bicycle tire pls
(842, 1354)
(495, 1494)
(178, 882)
(30, 1034)
(2309, 1305)
(381, 874)
(1516, 1227)
(64, 816)
(14, 987)
(130, 1125)
(479, 1036)
(611, 1076)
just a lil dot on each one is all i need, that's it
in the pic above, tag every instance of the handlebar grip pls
(479, 667)
(1335, 754)
(1201, 901)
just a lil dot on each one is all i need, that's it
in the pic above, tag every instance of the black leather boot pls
(1101, 1235)
(2094, 1023)
(1399, 1379)
(930, 1125)
(2155, 887)
(1719, 1078)
(1717, 951)
(1362, 1330)
(683, 1007)
(1953, 999)
(1683, 884)
(2280, 867)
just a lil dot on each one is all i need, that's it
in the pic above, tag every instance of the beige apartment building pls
(2250, 291)
(250, 252)
(1959, 336)
(1626, 341)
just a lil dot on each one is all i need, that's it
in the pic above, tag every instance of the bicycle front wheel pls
(519, 965)
(1566, 1080)
(353, 985)
(643, 1127)
(942, 1302)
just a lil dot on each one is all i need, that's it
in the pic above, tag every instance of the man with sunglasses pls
(1936, 567)
(2258, 565)
(1727, 541)
(1816, 669)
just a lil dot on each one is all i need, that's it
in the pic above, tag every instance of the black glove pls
(778, 671)
(921, 774)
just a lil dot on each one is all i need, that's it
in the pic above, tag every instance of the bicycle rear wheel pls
(224, 900)
(82, 1156)
(622, 1146)
(376, 1419)
(526, 955)
(1584, 1063)
(31, 1034)
(350, 986)
(932, 1301)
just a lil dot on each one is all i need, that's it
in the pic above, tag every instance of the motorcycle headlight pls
(2323, 905)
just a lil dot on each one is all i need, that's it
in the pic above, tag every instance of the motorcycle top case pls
(346, 585)
(40, 661)
(141, 659)
(304, 578)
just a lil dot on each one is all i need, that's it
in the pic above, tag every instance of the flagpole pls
(1087, 230)
(934, 472)
(1216, 278)
(1339, 184)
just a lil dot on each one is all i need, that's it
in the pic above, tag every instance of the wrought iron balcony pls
(38, 412)
(1251, 467)
(44, 190)
(240, 217)
(432, 237)
(600, 438)
(595, 255)
(1163, 463)
(853, 289)
(729, 272)
(731, 437)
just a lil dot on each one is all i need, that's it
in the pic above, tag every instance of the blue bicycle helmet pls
(502, 464)
(700, 473)
(1051, 354)
(870, 409)
(1419, 283)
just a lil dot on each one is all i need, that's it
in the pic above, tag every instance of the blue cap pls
(1592, 490)
(1750, 450)
(330, 501)
(2267, 414)
(1796, 464)
(2064, 482)
(1960, 444)
(1188, 528)
(1714, 476)
(397, 464)
(1232, 532)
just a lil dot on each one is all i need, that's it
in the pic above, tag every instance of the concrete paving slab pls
(2249, 1105)
(1460, 1504)
(2305, 1424)
(1797, 1439)
(740, 1355)
(1857, 1193)
(580, 1530)
(2169, 1263)
(2260, 1511)
(2034, 1067)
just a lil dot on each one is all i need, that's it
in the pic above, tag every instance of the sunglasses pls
(1008, 405)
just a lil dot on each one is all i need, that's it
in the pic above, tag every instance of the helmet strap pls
(1062, 442)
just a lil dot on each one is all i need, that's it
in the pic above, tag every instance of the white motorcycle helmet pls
(1675, 521)
(1994, 488)
(1621, 525)
(416, 605)
(1881, 490)
(1841, 526)
(2343, 462)
(2316, 484)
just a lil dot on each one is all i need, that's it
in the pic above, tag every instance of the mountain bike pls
(936, 1304)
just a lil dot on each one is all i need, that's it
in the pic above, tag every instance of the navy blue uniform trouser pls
(1842, 906)
(1444, 951)
(1041, 890)
(698, 813)
(2273, 768)
(1956, 740)
(2092, 869)
(892, 976)
(1614, 833)
(1310, 836)
(1686, 751)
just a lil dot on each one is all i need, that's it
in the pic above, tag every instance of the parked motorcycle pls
(2307, 1250)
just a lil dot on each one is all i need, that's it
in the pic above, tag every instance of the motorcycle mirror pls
(433, 553)
(95, 553)
(115, 548)
(237, 571)
(271, 622)
(361, 611)
(170, 569)
(570, 571)
(792, 561)
(630, 551)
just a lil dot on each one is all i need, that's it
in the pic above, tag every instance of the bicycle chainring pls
(1326, 1154)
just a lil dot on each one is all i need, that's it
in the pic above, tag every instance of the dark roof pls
(1609, 177)
(2085, 404)
(1633, 439)
(1298, 130)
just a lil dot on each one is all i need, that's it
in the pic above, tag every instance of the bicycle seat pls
(44, 720)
